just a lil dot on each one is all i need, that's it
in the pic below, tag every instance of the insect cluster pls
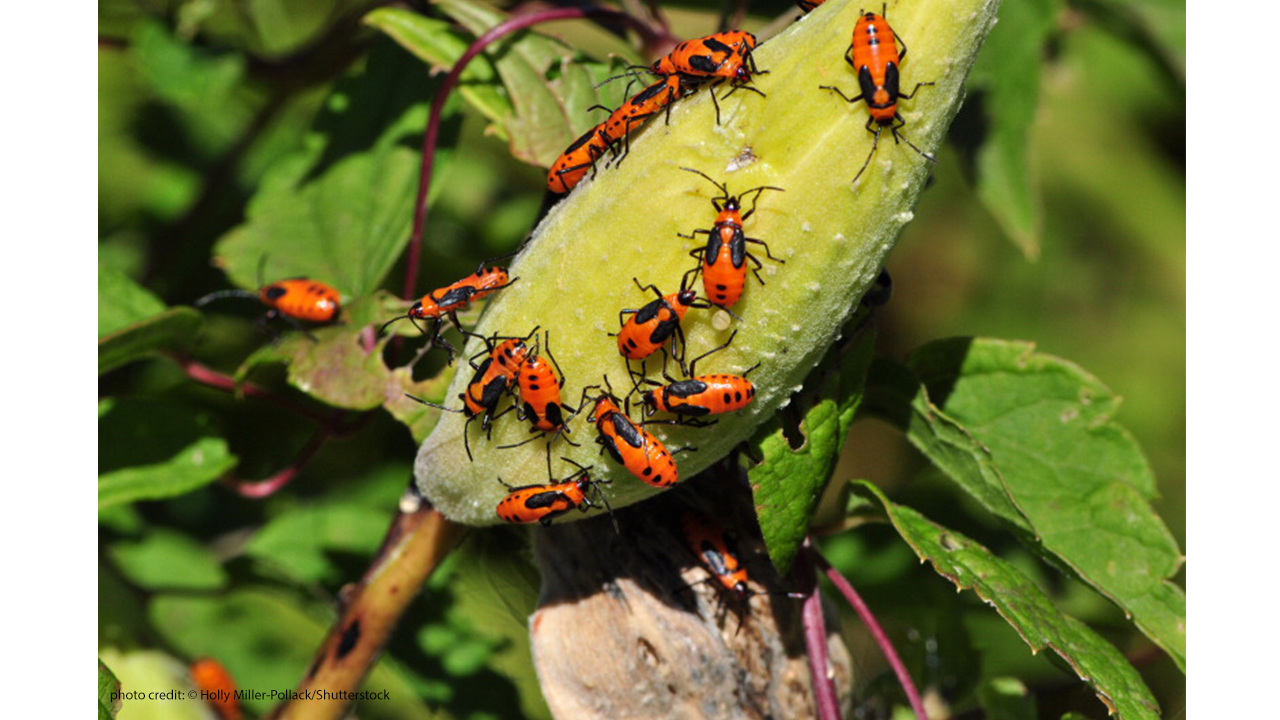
(523, 368)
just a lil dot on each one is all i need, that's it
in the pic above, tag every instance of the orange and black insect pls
(873, 55)
(572, 165)
(650, 101)
(808, 5)
(290, 300)
(650, 327)
(217, 688)
(724, 259)
(540, 387)
(447, 301)
(708, 542)
(711, 545)
(544, 503)
(492, 379)
(725, 56)
(701, 395)
(630, 445)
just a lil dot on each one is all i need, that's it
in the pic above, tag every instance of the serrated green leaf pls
(895, 395)
(199, 464)
(163, 559)
(1079, 477)
(972, 567)
(787, 485)
(340, 209)
(438, 43)
(296, 542)
(108, 692)
(624, 223)
(270, 636)
(995, 129)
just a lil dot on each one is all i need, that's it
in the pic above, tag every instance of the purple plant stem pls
(212, 378)
(886, 647)
(815, 635)
(330, 426)
(451, 81)
(264, 488)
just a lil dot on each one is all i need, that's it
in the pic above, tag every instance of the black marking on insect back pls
(492, 392)
(650, 311)
(580, 141)
(738, 248)
(703, 63)
(866, 83)
(629, 433)
(686, 388)
(544, 499)
(612, 447)
(891, 81)
(275, 292)
(713, 558)
(649, 92)
(350, 637)
(665, 329)
(713, 248)
(716, 46)
(456, 296)
(553, 415)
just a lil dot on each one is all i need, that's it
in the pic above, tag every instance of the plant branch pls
(886, 647)
(417, 541)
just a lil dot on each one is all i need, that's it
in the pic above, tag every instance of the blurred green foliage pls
(1057, 217)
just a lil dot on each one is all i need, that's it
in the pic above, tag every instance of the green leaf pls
(296, 542)
(169, 560)
(788, 483)
(896, 396)
(624, 223)
(108, 692)
(995, 128)
(440, 44)
(197, 465)
(269, 636)
(972, 567)
(340, 209)
(206, 87)
(122, 302)
(335, 368)
(174, 329)
(133, 323)
(536, 88)
(151, 449)
(1078, 476)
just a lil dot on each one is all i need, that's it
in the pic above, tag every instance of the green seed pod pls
(576, 273)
